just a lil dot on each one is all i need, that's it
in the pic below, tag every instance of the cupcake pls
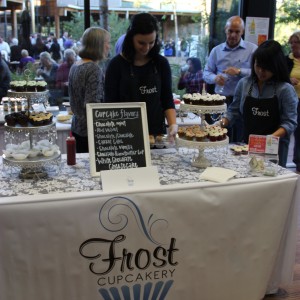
(199, 136)
(22, 119)
(10, 120)
(48, 118)
(181, 132)
(30, 86)
(41, 86)
(20, 86)
(36, 121)
(189, 135)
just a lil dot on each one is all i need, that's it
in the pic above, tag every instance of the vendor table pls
(63, 238)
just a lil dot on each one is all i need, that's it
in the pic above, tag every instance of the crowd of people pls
(261, 84)
(52, 59)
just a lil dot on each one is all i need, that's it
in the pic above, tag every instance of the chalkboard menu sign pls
(118, 136)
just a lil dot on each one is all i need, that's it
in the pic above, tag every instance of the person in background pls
(168, 50)
(55, 50)
(4, 56)
(232, 60)
(15, 50)
(62, 75)
(293, 63)
(48, 69)
(119, 44)
(25, 59)
(266, 101)
(86, 81)
(38, 48)
(4, 46)
(5, 78)
(192, 79)
(141, 74)
(184, 47)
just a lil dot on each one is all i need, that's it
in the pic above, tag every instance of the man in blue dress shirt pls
(228, 63)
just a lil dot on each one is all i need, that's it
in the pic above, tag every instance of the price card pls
(263, 144)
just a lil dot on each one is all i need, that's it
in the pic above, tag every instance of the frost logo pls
(131, 264)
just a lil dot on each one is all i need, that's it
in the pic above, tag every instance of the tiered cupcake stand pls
(34, 167)
(32, 97)
(31, 167)
(201, 161)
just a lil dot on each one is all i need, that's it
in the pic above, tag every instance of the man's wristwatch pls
(239, 71)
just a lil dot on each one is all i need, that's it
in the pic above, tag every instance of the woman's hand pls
(294, 81)
(39, 72)
(172, 131)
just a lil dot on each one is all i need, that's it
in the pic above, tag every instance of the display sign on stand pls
(263, 144)
(263, 151)
(118, 136)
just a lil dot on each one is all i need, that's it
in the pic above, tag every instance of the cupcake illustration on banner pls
(134, 258)
(156, 291)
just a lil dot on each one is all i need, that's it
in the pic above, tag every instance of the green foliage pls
(287, 21)
(117, 26)
(289, 12)
(30, 71)
(75, 27)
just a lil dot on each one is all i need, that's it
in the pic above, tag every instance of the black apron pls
(146, 87)
(261, 115)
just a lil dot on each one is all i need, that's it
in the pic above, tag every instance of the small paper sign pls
(263, 144)
(130, 179)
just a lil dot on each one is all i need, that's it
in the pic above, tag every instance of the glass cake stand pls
(201, 161)
(35, 167)
(201, 110)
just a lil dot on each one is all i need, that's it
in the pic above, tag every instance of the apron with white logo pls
(261, 116)
(146, 87)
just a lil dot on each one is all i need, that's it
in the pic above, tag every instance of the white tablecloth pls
(184, 240)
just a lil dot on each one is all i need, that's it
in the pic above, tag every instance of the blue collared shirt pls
(287, 101)
(222, 57)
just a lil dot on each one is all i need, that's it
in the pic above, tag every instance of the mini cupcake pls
(238, 151)
(224, 131)
(36, 121)
(189, 135)
(20, 86)
(48, 118)
(10, 120)
(41, 86)
(181, 132)
(199, 136)
(31, 86)
(245, 149)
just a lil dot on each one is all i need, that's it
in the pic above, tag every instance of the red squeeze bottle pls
(71, 150)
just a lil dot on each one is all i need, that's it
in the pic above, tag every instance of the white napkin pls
(217, 174)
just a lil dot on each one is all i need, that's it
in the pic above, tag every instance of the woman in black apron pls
(266, 100)
(141, 74)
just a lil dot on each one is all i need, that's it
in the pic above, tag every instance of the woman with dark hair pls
(192, 79)
(55, 50)
(86, 81)
(141, 74)
(266, 100)
(38, 48)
